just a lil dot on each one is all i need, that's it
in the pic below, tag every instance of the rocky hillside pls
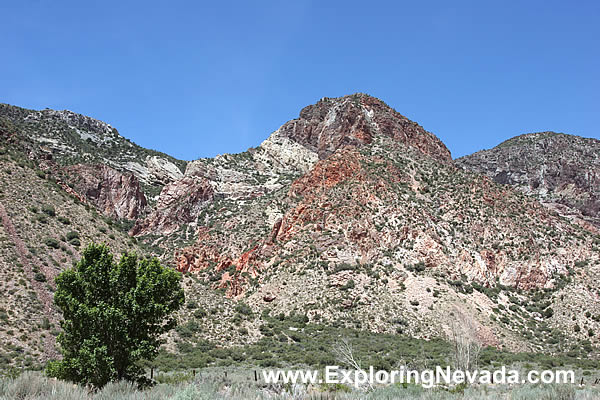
(385, 238)
(69, 139)
(354, 215)
(562, 171)
(349, 216)
(292, 150)
(43, 227)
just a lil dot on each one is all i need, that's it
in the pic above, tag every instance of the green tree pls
(114, 314)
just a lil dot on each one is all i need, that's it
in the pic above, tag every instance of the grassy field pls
(34, 386)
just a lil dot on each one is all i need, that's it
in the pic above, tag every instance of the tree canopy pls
(114, 314)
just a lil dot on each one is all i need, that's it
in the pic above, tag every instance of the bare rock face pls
(355, 120)
(562, 171)
(116, 194)
(154, 170)
(178, 203)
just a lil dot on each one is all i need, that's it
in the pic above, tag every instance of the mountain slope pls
(562, 171)
(70, 138)
(289, 152)
(382, 231)
(42, 230)
(350, 215)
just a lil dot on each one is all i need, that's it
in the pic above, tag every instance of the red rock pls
(117, 195)
(179, 203)
(356, 119)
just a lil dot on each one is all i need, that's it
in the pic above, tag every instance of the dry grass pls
(34, 386)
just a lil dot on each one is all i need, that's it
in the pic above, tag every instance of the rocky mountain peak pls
(322, 129)
(356, 119)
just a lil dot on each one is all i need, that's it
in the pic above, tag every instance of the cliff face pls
(562, 171)
(115, 194)
(179, 203)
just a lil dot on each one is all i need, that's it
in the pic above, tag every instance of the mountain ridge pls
(350, 215)
(560, 170)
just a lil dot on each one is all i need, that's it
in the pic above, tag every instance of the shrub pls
(72, 235)
(344, 267)
(53, 243)
(64, 220)
(45, 324)
(49, 210)
(243, 308)
(418, 267)
(192, 305)
(349, 285)
(39, 277)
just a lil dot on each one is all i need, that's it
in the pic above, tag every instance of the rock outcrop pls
(333, 123)
(179, 203)
(115, 194)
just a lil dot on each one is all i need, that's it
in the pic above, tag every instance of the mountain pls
(321, 130)
(387, 233)
(561, 171)
(69, 139)
(350, 216)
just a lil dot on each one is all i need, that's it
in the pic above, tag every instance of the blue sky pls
(196, 79)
